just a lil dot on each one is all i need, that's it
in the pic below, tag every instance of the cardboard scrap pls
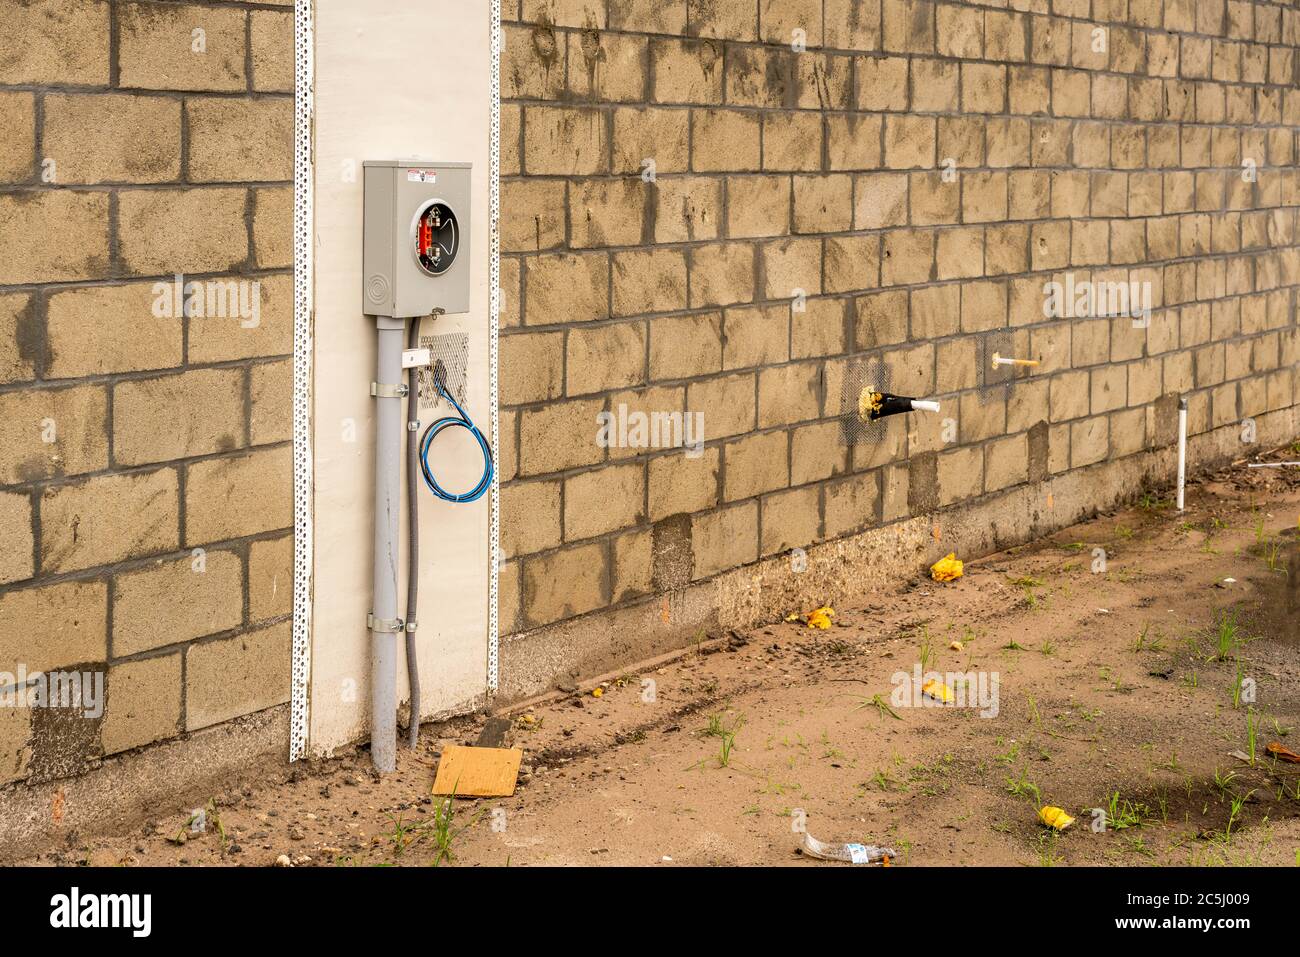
(477, 772)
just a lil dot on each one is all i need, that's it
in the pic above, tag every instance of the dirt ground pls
(1125, 686)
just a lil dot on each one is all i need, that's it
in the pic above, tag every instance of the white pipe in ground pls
(1182, 452)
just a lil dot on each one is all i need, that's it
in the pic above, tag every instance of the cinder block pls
(758, 206)
(851, 263)
(530, 517)
(610, 67)
(649, 16)
(651, 139)
(100, 330)
(565, 583)
(109, 137)
(681, 483)
(273, 227)
(166, 231)
(21, 340)
(633, 566)
(961, 474)
(15, 735)
(261, 326)
(792, 268)
(725, 141)
(687, 209)
(231, 677)
(755, 464)
(1006, 462)
(181, 47)
(178, 416)
(144, 703)
(686, 71)
(852, 504)
(685, 346)
(58, 42)
(18, 163)
(270, 395)
(603, 501)
(560, 436)
(908, 25)
(53, 626)
(723, 539)
(16, 562)
(755, 336)
(649, 280)
(600, 358)
(53, 432)
(818, 329)
(270, 578)
(792, 141)
(566, 288)
(532, 62)
(565, 141)
(239, 495)
(532, 367)
(271, 35)
(721, 274)
(853, 141)
(607, 212)
(236, 140)
(791, 519)
(538, 214)
(788, 394)
(108, 519)
(60, 212)
(177, 600)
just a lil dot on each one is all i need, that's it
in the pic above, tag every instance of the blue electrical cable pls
(454, 421)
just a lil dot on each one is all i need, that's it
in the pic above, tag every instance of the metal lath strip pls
(302, 317)
(494, 282)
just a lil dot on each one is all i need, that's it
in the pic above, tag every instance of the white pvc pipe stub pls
(1182, 452)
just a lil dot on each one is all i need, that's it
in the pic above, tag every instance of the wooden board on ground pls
(477, 772)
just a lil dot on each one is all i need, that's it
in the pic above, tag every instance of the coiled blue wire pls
(452, 421)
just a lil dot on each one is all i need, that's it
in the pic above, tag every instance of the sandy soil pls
(1114, 692)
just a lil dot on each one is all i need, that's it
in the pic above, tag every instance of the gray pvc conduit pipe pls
(413, 532)
(388, 491)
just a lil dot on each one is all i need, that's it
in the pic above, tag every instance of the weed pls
(882, 707)
(1223, 781)
(1023, 787)
(926, 651)
(1121, 813)
(718, 728)
(1226, 636)
(1035, 718)
(1047, 852)
(1234, 812)
(444, 830)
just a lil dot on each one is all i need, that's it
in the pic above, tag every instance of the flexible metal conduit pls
(413, 531)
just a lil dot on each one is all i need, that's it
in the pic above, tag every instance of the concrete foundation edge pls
(851, 567)
(127, 789)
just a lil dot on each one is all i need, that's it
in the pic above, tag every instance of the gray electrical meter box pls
(415, 257)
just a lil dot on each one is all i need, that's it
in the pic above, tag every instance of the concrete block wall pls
(718, 207)
(723, 206)
(145, 465)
